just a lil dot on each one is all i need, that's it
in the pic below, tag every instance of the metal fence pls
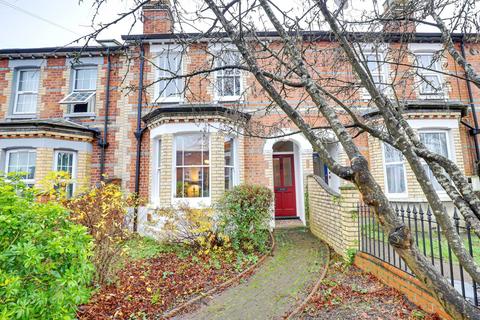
(429, 239)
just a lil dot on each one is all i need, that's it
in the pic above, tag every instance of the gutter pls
(473, 131)
(320, 35)
(103, 143)
(138, 135)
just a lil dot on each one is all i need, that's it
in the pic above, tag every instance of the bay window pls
(435, 141)
(394, 167)
(229, 155)
(65, 162)
(26, 91)
(22, 161)
(228, 81)
(192, 165)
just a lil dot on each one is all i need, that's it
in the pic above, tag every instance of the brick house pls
(73, 109)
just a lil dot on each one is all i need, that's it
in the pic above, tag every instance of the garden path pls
(278, 285)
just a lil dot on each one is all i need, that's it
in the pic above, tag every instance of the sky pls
(44, 23)
(68, 20)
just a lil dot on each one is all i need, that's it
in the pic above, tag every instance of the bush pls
(194, 227)
(245, 213)
(44, 258)
(103, 211)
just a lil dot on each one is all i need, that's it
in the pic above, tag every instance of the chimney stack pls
(403, 10)
(157, 17)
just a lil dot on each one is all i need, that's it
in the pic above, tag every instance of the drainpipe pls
(104, 143)
(474, 131)
(138, 135)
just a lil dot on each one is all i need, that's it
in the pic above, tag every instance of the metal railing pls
(430, 240)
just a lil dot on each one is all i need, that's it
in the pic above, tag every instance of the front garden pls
(76, 258)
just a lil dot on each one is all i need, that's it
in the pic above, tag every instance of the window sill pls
(431, 97)
(90, 115)
(21, 116)
(169, 101)
(229, 99)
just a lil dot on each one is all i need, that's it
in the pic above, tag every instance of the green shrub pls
(244, 214)
(45, 270)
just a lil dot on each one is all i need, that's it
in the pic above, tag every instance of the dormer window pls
(81, 100)
(431, 83)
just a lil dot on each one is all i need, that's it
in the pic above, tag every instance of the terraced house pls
(115, 111)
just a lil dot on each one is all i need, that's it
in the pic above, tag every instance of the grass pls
(139, 248)
(435, 244)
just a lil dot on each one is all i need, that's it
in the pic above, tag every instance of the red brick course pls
(413, 288)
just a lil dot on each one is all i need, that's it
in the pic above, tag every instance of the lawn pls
(155, 277)
(434, 244)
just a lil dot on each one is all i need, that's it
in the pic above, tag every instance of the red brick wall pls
(410, 286)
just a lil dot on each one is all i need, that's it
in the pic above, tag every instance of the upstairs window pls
(26, 91)
(192, 166)
(229, 155)
(169, 66)
(84, 86)
(435, 141)
(228, 81)
(22, 161)
(395, 177)
(430, 85)
(376, 68)
(65, 161)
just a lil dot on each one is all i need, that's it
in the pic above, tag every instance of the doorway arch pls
(298, 149)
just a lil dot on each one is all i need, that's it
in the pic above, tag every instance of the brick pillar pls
(43, 164)
(83, 179)
(217, 166)
(349, 217)
(166, 174)
(241, 159)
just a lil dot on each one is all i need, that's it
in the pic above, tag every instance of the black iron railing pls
(429, 238)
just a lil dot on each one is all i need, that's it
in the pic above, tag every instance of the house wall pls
(255, 164)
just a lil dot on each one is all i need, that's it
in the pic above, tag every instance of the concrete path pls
(277, 286)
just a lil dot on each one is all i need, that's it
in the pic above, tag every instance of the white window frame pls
(195, 200)
(234, 158)
(74, 165)
(91, 100)
(18, 92)
(219, 73)
(179, 82)
(424, 72)
(449, 151)
(158, 167)
(394, 195)
(382, 73)
(7, 162)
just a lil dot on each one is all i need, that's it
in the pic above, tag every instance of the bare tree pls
(287, 61)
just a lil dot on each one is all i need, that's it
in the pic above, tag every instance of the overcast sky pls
(24, 30)
(40, 23)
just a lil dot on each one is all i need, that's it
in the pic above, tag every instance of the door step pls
(287, 223)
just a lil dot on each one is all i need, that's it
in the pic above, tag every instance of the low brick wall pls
(333, 216)
(410, 286)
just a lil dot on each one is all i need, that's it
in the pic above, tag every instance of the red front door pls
(284, 185)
